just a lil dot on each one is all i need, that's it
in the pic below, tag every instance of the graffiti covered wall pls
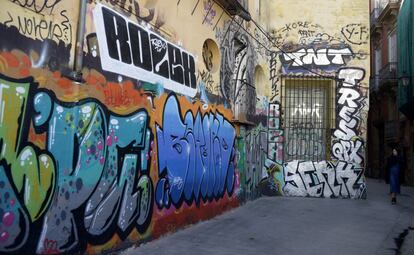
(323, 52)
(168, 126)
(143, 146)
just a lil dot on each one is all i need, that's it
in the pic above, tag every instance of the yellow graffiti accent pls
(35, 176)
(3, 64)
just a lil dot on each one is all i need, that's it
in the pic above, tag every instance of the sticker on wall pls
(129, 49)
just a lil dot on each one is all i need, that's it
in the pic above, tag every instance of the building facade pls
(122, 120)
(390, 126)
(323, 84)
(405, 84)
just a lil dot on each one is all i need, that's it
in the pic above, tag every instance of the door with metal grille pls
(307, 113)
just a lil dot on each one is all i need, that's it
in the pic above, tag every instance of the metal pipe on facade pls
(76, 74)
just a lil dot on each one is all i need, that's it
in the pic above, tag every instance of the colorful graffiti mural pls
(195, 156)
(94, 155)
(163, 130)
(95, 165)
(73, 168)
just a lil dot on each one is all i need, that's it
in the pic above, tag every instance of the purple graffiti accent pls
(4, 236)
(195, 156)
(210, 12)
(101, 164)
(14, 222)
(8, 219)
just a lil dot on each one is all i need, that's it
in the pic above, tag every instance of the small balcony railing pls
(389, 72)
(235, 7)
(388, 9)
(385, 3)
(374, 16)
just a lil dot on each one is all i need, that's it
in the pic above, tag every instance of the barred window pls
(309, 114)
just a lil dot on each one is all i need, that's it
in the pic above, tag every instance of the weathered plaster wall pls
(326, 39)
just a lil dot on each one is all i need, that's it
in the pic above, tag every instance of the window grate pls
(309, 111)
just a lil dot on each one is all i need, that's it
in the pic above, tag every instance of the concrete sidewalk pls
(286, 225)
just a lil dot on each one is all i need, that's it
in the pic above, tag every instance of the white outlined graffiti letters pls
(129, 49)
(323, 179)
(347, 143)
(318, 58)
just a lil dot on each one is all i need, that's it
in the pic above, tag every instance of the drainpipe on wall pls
(76, 74)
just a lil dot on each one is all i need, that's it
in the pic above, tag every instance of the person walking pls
(394, 166)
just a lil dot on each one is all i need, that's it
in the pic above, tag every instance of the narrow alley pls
(277, 226)
(196, 127)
